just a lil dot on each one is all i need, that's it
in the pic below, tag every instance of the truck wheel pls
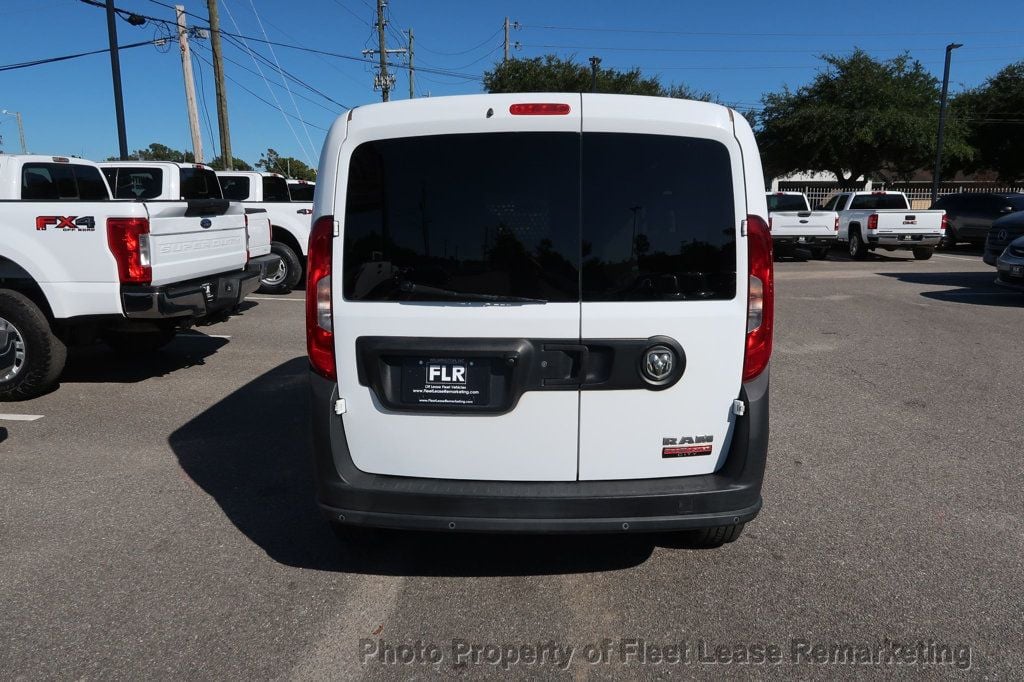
(31, 357)
(923, 252)
(138, 342)
(857, 248)
(708, 538)
(950, 240)
(820, 252)
(287, 276)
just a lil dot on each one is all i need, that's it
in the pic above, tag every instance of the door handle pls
(579, 356)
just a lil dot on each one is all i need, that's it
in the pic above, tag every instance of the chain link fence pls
(920, 194)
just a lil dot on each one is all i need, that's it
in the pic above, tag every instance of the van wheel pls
(857, 248)
(288, 274)
(923, 252)
(820, 253)
(31, 357)
(138, 342)
(709, 538)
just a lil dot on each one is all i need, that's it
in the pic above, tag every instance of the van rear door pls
(662, 208)
(456, 292)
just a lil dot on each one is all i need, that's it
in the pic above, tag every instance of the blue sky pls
(737, 50)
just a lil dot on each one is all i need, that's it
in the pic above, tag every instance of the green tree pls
(995, 116)
(272, 162)
(551, 73)
(236, 164)
(860, 116)
(158, 152)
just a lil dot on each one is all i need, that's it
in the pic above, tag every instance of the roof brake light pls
(539, 109)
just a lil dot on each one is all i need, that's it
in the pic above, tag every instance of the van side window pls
(62, 182)
(235, 187)
(659, 218)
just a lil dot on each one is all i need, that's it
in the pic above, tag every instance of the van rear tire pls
(716, 536)
(289, 274)
(36, 367)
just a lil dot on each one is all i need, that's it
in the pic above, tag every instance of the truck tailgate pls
(194, 239)
(899, 221)
(803, 223)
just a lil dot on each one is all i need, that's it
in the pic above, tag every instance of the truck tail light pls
(247, 238)
(837, 224)
(128, 240)
(319, 313)
(945, 222)
(873, 221)
(760, 298)
(539, 109)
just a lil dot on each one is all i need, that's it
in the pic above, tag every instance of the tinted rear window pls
(234, 187)
(275, 189)
(878, 201)
(301, 192)
(135, 183)
(199, 183)
(540, 215)
(62, 182)
(786, 202)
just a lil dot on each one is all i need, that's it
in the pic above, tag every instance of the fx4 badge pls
(686, 446)
(66, 223)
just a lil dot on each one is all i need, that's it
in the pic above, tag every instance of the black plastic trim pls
(189, 299)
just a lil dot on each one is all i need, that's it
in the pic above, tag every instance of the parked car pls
(289, 221)
(1002, 232)
(969, 215)
(170, 181)
(1010, 265)
(76, 265)
(871, 220)
(498, 344)
(793, 223)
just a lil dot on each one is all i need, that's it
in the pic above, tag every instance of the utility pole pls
(383, 79)
(412, 70)
(21, 128)
(222, 96)
(506, 39)
(595, 63)
(190, 86)
(115, 73)
(942, 122)
(509, 25)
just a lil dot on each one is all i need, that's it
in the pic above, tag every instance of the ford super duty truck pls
(290, 221)
(872, 220)
(793, 223)
(77, 265)
(170, 181)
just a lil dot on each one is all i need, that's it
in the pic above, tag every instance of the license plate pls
(1017, 270)
(446, 381)
(906, 238)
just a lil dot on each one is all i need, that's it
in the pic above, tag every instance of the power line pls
(596, 29)
(462, 52)
(750, 50)
(51, 60)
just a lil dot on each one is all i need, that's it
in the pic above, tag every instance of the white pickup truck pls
(170, 181)
(76, 265)
(871, 220)
(793, 223)
(290, 221)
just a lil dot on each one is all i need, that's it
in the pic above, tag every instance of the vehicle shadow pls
(99, 363)
(974, 288)
(261, 475)
(842, 256)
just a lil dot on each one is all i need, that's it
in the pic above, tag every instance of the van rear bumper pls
(731, 495)
(195, 299)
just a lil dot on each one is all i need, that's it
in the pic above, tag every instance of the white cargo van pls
(540, 313)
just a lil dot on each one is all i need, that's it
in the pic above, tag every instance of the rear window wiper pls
(410, 287)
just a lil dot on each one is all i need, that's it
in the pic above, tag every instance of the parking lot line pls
(946, 255)
(273, 298)
(20, 417)
(200, 335)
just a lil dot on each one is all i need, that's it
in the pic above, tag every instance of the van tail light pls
(760, 298)
(319, 313)
(837, 224)
(128, 240)
(539, 109)
(873, 221)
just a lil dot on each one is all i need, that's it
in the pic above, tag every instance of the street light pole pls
(942, 122)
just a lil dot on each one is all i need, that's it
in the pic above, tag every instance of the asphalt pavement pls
(157, 517)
